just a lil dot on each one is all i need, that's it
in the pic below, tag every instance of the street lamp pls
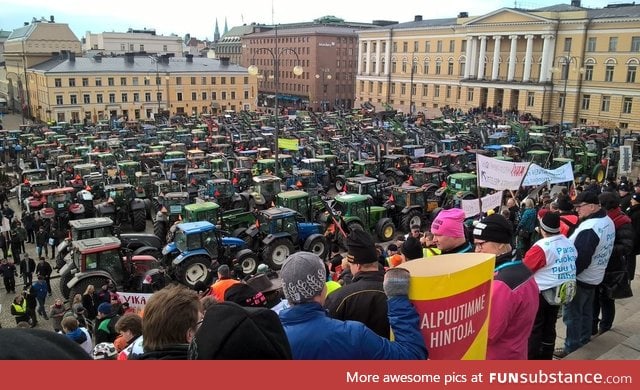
(325, 75)
(297, 70)
(565, 62)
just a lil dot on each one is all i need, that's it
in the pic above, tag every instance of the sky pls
(198, 17)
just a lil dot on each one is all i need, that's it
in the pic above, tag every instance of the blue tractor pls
(199, 247)
(279, 232)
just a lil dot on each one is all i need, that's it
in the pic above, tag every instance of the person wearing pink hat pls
(448, 232)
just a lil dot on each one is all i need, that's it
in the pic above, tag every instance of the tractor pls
(395, 168)
(310, 207)
(279, 232)
(198, 246)
(235, 220)
(369, 168)
(409, 205)
(263, 192)
(170, 210)
(364, 185)
(99, 261)
(122, 206)
(318, 166)
(223, 193)
(357, 212)
(61, 206)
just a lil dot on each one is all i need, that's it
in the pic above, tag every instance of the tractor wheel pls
(393, 179)
(413, 217)
(317, 245)
(339, 184)
(385, 230)
(64, 279)
(81, 286)
(155, 207)
(277, 252)
(193, 270)
(238, 204)
(139, 220)
(160, 230)
(248, 262)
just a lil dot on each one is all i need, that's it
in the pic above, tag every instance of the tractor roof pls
(463, 176)
(365, 162)
(266, 179)
(294, 194)
(312, 160)
(90, 223)
(278, 212)
(407, 189)
(176, 195)
(53, 191)
(363, 179)
(118, 186)
(196, 227)
(352, 198)
(202, 206)
(97, 244)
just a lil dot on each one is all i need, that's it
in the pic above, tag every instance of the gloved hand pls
(396, 282)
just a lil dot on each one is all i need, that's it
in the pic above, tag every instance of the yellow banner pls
(452, 295)
(288, 143)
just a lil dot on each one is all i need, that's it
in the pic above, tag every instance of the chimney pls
(189, 58)
(224, 61)
(575, 3)
(463, 15)
(417, 18)
(72, 56)
(129, 57)
(98, 57)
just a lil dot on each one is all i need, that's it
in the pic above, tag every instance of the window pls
(405, 47)
(179, 94)
(427, 46)
(124, 98)
(194, 96)
(415, 46)
(606, 104)
(394, 47)
(450, 68)
(112, 98)
(98, 82)
(85, 82)
(165, 48)
(567, 45)
(588, 73)
(131, 47)
(591, 44)
(404, 66)
(214, 96)
(57, 82)
(436, 91)
(159, 96)
(193, 81)
(425, 67)
(452, 46)
(141, 48)
(608, 74)
(232, 80)
(136, 97)
(627, 104)
(245, 80)
(204, 96)
(86, 98)
(425, 90)
(438, 66)
(99, 98)
(463, 46)
(439, 46)
(458, 92)
(379, 87)
(531, 99)
(147, 96)
(147, 80)
(123, 81)
(178, 80)
(393, 88)
(223, 95)
(561, 100)
(72, 82)
(74, 99)
(613, 43)
(624, 125)
(463, 65)
(631, 74)
(403, 89)
(223, 80)
(110, 81)
(393, 67)
(586, 100)
(635, 44)
(448, 92)
(470, 94)
(123, 47)
(134, 81)
(59, 100)
(213, 81)
(246, 94)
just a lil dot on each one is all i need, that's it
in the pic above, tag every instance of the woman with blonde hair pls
(89, 302)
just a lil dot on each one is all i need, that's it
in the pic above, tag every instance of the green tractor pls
(223, 193)
(365, 185)
(460, 186)
(235, 220)
(123, 206)
(263, 193)
(310, 207)
(409, 205)
(171, 205)
(127, 171)
(395, 168)
(357, 212)
(369, 168)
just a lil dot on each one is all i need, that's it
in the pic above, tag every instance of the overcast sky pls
(198, 17)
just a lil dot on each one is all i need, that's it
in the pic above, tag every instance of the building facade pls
(119, 43)
(561, 63)
(230, 44)
(326, 54)
(75, 89)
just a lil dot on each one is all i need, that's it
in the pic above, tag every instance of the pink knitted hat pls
(449, 223)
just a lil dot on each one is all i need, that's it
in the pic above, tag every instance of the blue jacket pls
(41, 289)
(313, 334)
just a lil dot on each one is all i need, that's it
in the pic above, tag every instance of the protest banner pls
(471, 207)
(624, 165)
(288, 143)
(136, 301)
(500, 175)
(538, 175)
(451, 294)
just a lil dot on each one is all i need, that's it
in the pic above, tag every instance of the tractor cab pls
(91, 228)
(364, 185)
(203, 211)
(241, 178)
(267, 186)
(128, 171)
(305, 179)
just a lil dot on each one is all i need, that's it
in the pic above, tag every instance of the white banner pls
(471, 207)
(136, 300)
(538, 175)
(624, 165)
(499, 174)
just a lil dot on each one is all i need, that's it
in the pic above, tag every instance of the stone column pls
(368, 59)
(472, 61)
(481, 55)
(467, 65)
(387, 58)
(378, 56)
(512, 57)
(547, 58)
(528, 58)
(360, 55)
(496, 57)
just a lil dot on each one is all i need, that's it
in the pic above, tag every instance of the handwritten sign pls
(538, 175)
(498, 174)
(624, 165)
(471, 207)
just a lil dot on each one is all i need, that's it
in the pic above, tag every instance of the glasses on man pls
(479, 244)
(578, 206)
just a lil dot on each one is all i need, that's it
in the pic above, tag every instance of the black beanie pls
(232, 332)
(494, 228)
(361, 247)
(245, 295)
(412, 249)
(550, 223)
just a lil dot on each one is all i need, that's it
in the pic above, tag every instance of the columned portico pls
(528, 58)
(512, 58)
(496, 57)
(481, 56)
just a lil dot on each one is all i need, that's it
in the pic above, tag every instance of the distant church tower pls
(226, 28)
(216, 32)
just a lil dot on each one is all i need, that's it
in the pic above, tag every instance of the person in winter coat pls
(514, 291)
(19, 309)
(106, 324)
(21, 233)
(634, 214)
(8, 272)
(79, 335)
(56, 312)
(27, 268)
(41, 295)
(314, 335)
(363, 299)
(90, 302)
(604, 307)
(31, 296)
(29, 227)
(42, 238)
(526, 226)
(44, 269)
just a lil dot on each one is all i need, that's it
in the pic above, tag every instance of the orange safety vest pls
(220, 286)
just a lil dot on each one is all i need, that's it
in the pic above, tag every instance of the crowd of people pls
(561, 253)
